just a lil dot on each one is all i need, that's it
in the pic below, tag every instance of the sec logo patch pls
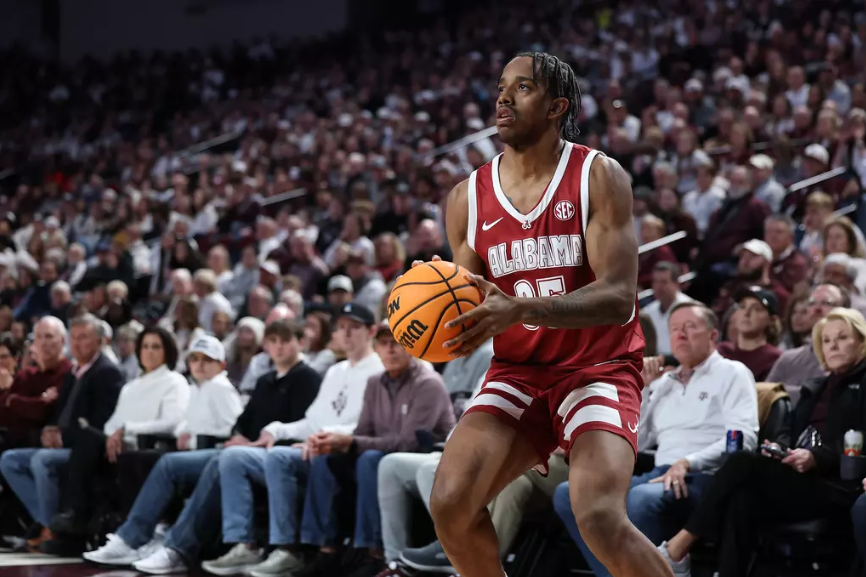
(563, 210)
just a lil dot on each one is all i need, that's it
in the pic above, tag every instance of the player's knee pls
(598, 519)
(449, 505)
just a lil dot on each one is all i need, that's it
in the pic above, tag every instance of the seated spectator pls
(652, 228)
(294, 300)
(687, 414)
(740, 218)
(28, 397)
(127, 357)
(153, 404)
(341, 291)
(210, 300)
(242, 346)
(214, 406)
(318, 334)
(244, 280)
(667, 294)
(260, 301)
(767, 188)
(307, 266)
(61, 300)
(353, 234)
(90, 392)
(261, 362)
(369, 288)
(186, 328)
(218, 261)
(838, 269)
(426, 242)
(676, 219)
(753, 269)
(841, 236)
(337, 408)
(707, 198)
(181, 288)
(789, 267)
(757, 332)
(797, 366)
(735, 507)
(390, 256)
(796, 328)
(819, 209)
(221, 325)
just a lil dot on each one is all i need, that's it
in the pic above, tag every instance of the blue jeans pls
(858, 519)
(200, 514)
(280, 469)
(656, 513)
(32, 475)
(319, 525)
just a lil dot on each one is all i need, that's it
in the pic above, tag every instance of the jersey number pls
(547, 287)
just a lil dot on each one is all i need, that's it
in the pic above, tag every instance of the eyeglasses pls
(825, 303)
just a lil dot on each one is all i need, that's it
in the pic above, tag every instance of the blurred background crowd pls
(202, 191)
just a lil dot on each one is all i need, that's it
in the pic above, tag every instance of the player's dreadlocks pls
(561, 82)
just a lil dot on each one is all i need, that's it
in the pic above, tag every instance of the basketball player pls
(549, 224)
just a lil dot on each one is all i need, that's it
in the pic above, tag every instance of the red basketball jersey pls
(543, 254)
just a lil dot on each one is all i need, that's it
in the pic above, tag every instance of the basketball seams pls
(425, 282)
(429, 300)
(453, 294)
(435, 329)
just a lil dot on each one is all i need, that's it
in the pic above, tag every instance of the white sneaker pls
(280, 563)
(682, 568)
(239, 560)
(114, 552)
(161, 562)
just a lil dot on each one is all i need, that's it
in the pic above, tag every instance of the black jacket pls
(847, 410)
(284, 400)
(97, 397)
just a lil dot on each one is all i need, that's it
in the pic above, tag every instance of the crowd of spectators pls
(225, 301)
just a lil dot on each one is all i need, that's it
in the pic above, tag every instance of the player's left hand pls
(675, 478)
(493, 316)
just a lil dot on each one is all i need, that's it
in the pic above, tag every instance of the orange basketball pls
(423, 300)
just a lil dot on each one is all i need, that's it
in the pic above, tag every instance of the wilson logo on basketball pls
(393, 306)
(413, 332)
(563, 210)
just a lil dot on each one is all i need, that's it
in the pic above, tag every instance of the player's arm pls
(457, 226)
(611, 250)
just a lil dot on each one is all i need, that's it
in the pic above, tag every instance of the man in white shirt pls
(666, 290)
(210, 299)
(686, 413)
(336, 410)
(214, 406)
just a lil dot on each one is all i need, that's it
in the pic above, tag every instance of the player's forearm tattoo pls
(598, 303)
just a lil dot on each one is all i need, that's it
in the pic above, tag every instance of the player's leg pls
(599, 477)
(483, 455)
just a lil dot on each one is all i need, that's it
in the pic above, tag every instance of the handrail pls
(844, 210)
(460, 142)
(817, 179)
(682, 278)
(284, 196)
(757, 147)
(661, 242)
(210, 143)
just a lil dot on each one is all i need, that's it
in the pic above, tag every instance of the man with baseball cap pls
(757, 322)
(753, 269)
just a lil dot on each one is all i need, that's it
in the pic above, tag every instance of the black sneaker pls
(322, 565)
(431, 558)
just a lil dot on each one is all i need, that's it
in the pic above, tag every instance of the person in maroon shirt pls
(790, 267)
(28, 400)
(758, 331)
(652, 229)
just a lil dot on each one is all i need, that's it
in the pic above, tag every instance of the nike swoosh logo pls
(485, 227)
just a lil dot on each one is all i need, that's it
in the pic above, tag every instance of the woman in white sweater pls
(155, 403)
